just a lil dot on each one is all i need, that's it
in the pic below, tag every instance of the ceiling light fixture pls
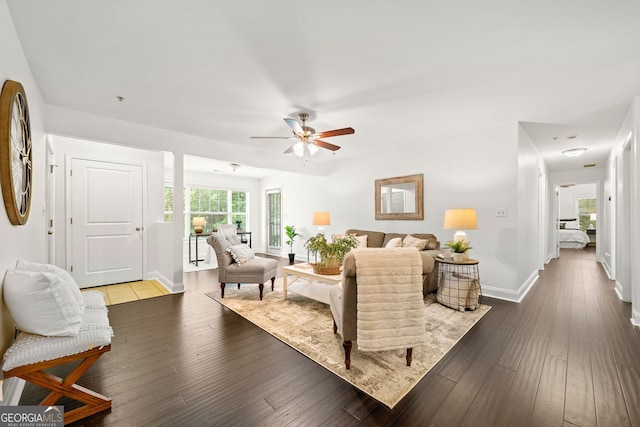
(574, 152)
(234, 166)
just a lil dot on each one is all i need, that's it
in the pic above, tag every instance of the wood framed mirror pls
(400, 197)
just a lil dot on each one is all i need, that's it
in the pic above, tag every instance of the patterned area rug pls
(307, 326)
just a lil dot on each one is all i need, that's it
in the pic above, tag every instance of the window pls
(215, 205)
(586, 212)
(168, 204)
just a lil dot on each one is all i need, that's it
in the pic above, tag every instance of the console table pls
(242, 235)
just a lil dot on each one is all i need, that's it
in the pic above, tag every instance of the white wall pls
(476, 170)
(27, 241)
(530, 168)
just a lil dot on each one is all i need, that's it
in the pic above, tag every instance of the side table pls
(458, 283)
(196, 235)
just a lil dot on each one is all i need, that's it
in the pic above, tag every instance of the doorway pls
(577, 211)
(105, 222)
(274, 221)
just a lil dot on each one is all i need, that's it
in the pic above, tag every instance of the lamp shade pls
(198, 223)
(321, 218)
(460, 219)
(592, 217)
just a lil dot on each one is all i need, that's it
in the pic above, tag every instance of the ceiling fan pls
(308, 139)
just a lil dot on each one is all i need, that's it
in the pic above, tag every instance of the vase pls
(458, 256)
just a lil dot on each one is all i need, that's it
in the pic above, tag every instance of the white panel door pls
(106, 222)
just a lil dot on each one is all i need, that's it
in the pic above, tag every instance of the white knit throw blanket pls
(390, 301)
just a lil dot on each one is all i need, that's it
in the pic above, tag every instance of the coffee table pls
(316, 286)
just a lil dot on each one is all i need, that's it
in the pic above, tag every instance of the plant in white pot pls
(459, 249)
(290, 231)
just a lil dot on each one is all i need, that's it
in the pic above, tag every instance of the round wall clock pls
(15, 152)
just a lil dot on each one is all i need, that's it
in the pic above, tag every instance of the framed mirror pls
(400, 197)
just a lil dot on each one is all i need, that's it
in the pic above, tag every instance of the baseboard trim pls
(174, 288)
(508, 295)
(635, 318)
(618, 290)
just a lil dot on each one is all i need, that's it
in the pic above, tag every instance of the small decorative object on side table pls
(458, 283)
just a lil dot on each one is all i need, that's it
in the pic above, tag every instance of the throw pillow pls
(396, 242)
(41, 303)
(241, 253)
(414, 242)
(362, 241)
(53, 269)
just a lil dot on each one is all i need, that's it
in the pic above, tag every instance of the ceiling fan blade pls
(336, 132)
(326, 145)
(273, 137)
(295, 126)
(290, 149)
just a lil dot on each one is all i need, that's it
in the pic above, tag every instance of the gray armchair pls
(255, 270)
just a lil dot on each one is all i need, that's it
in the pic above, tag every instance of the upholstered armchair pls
(371, 276)
(246, 269)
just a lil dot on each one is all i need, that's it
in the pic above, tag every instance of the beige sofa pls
(377, 239)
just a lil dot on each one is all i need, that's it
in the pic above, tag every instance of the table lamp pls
(460, 219)
(198, 224)
(321, 219)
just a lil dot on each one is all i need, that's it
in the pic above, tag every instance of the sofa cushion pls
(241, 253)
(432, 241)
(394, 243)
(362, 241)
(374, 238)
(410, 241)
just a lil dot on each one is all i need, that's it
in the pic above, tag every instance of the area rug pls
(307, 326)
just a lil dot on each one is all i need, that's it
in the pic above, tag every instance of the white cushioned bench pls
(30, 355)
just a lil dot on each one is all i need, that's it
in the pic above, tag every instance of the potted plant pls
(290, 231)
(331, 254)
(459, 248)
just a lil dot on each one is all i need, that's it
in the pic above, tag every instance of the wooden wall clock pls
(16, 164)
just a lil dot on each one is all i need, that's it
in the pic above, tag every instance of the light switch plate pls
(501, 212)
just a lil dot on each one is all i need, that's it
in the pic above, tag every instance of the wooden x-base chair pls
(35, 374)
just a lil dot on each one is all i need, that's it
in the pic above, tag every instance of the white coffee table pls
(316, 286)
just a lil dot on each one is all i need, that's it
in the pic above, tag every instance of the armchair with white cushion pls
(238, 264)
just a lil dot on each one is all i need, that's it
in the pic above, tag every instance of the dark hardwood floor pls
(566, 356)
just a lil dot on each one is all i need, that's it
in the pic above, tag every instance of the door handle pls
(138, 229)
(49, 232)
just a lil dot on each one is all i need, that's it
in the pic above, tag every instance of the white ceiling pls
(399, 72)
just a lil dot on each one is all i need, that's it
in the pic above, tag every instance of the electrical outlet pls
(501, 212)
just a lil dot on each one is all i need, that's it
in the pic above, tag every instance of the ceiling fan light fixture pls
(298, 149)
(574, 152)
(312, 149)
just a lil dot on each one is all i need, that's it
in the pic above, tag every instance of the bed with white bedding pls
(573, 239)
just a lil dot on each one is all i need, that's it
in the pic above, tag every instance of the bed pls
(570, 236)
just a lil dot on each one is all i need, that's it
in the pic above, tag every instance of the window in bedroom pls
(587, 212)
